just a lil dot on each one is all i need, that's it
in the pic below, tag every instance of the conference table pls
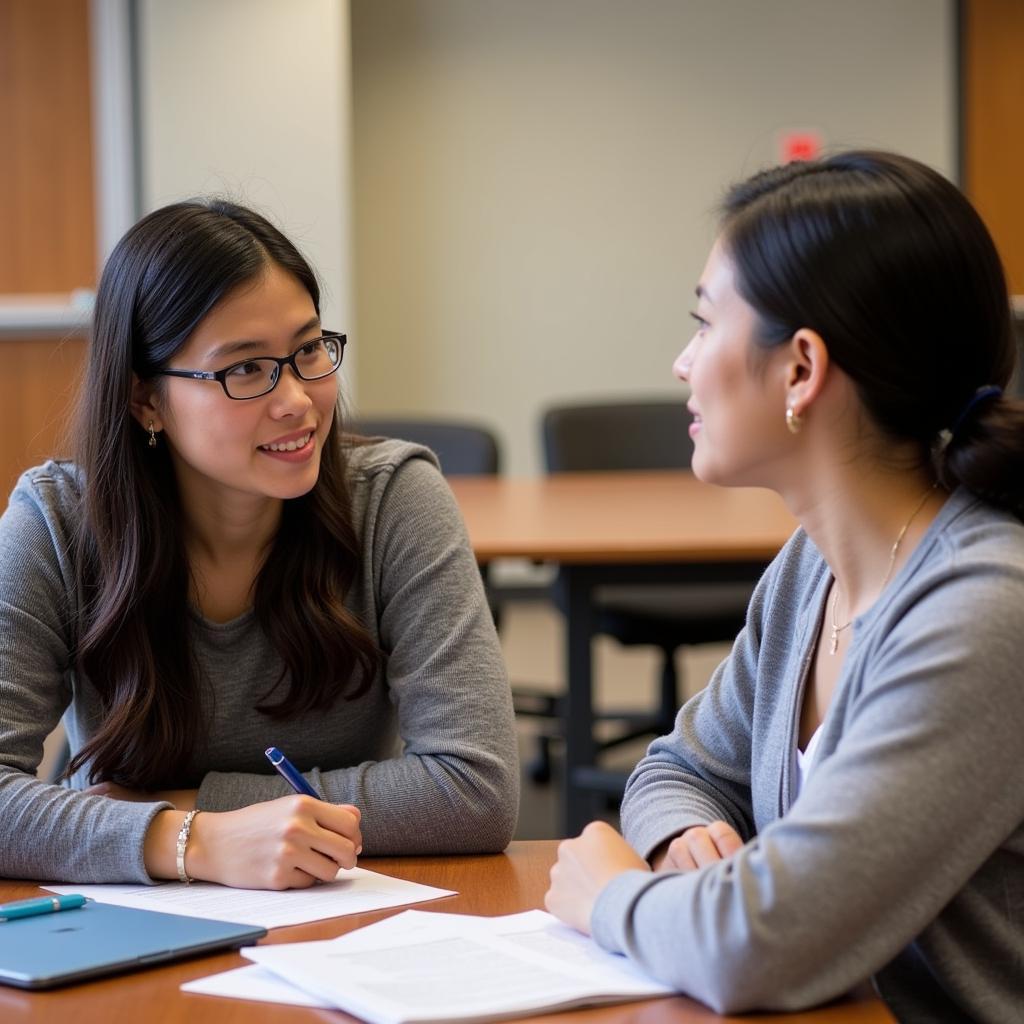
(492, 884)
(613, 528)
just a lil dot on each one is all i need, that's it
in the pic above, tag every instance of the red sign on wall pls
(799, 146)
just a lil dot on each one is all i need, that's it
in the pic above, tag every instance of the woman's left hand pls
(182, 799)
(584, 867)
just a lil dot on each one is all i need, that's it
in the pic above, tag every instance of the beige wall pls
(533, 179)
(250, 98)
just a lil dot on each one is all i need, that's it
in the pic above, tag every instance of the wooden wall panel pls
(40, 378)
(47, 219)
(993, 84)
(46, 173)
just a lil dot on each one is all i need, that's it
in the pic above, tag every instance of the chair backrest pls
(462, 448)
(617, 435)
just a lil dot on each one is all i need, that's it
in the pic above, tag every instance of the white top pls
(805, 761)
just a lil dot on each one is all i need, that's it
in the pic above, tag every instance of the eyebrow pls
(702, 293)
(230, 348)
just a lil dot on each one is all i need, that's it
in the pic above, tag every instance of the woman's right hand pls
(288, 843)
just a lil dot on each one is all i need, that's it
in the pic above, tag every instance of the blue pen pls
(289, 772)
(40, 905)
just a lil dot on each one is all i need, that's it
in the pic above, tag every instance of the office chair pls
(462, 448)
(637, 436)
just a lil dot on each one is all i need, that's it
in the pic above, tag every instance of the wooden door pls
(47, 220)
(993, 84)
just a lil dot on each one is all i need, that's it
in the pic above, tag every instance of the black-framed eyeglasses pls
(253, 378)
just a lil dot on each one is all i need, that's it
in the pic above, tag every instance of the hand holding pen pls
(298, 782)
(288, 843)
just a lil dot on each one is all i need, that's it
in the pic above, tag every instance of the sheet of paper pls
(419, 967)
(253, 982)
(354, 891)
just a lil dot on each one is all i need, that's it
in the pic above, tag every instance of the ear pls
(805, 370)
(145, 405)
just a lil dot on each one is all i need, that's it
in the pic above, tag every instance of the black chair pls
(637, 436)
(462, 448)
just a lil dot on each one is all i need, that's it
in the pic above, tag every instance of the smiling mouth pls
(288, 446)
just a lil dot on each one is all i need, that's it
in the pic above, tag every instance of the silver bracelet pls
(183, 833)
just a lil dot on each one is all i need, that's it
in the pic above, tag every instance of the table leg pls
(578, 804)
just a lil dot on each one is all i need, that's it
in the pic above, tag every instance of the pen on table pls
(290, 773)
(40, 905)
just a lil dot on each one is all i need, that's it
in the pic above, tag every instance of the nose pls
(684, 361)
(290, 397)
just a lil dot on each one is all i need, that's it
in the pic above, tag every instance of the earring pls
(152, 435)
(793, 421)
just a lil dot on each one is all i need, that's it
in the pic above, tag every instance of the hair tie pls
(981, 395)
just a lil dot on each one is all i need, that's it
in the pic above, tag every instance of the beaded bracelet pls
(183, 833)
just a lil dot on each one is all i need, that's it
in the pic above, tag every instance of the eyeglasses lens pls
(255, 377)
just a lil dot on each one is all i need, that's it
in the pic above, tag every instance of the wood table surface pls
(640, 516)
(495, 884)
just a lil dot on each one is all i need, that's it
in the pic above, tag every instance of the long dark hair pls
(133, 645)
(893, 267)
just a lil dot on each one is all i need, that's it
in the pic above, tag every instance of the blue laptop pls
(47, 950)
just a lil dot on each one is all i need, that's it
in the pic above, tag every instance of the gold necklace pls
(833, 643)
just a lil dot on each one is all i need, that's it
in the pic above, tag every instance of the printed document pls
(253, 982)
(354, 891)
(420, 968)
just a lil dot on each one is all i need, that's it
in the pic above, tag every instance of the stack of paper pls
(421, 968)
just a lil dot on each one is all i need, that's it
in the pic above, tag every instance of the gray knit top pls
(428, 753)
(903, 856)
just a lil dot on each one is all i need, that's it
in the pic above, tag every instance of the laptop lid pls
(55, 949)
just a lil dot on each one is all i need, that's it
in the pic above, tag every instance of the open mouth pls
(288, 446)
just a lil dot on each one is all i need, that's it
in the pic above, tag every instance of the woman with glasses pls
(220, 571)
(845, 799)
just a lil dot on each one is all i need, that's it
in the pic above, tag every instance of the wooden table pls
(500, 884)
(611, 528)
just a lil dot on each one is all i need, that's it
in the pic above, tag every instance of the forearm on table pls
(411, 804)
(55, 833)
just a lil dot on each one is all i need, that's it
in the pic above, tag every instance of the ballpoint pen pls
(40, 905)
(290, 773)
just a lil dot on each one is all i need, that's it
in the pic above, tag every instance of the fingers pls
(700, 846)
(323, 836)
(340, 818)
(726, 839)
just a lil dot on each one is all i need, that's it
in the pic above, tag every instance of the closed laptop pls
(55, 949)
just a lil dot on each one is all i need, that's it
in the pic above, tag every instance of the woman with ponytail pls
(221, 571)
(845, 800)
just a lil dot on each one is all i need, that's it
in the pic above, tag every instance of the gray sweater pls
(903, 856)
(428, 753)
